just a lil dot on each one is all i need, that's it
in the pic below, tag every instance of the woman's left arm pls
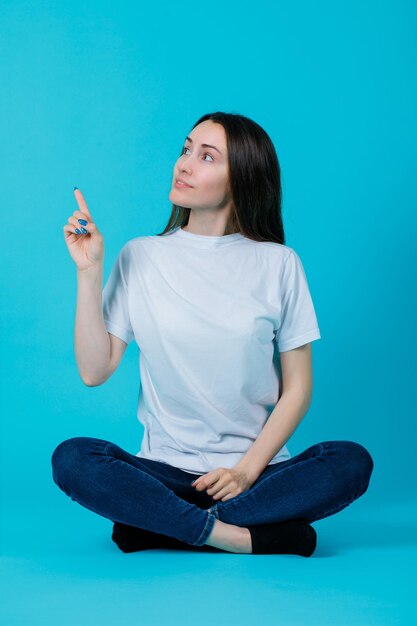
(296, 367)
(297, 385)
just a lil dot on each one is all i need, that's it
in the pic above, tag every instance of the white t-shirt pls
(206, 313)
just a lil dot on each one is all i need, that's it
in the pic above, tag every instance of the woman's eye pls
(205, 154)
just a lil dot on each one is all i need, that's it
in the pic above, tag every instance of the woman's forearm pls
(92, 342)
(284, 419)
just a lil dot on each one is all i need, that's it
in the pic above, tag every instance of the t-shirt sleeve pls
(298, 322)
(115, 298)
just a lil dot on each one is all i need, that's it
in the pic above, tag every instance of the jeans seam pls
(340, 507)
(210, 520)
(329, 512)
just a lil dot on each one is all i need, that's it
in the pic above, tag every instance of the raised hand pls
(84, 241)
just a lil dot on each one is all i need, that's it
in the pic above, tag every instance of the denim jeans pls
(158, 497)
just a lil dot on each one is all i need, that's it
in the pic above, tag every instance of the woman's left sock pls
(294, 536)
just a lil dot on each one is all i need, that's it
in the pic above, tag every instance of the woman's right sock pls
(134, 539)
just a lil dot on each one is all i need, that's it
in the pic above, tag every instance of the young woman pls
(208, 301)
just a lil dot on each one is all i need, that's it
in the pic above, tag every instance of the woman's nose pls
(185, 168)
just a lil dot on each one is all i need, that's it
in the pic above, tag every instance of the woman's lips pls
(182, 185)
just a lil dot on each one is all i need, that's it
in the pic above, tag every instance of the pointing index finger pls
(81, 202)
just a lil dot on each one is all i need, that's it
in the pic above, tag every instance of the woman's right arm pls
(91, 339)
(97, 352)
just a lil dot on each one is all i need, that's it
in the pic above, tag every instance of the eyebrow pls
(204, 145)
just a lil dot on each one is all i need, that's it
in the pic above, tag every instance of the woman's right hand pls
(86, 249)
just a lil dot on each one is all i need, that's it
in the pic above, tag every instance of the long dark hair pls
(255, 181)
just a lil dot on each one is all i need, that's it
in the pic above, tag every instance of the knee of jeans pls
(361, 461)
(65, 457)
(368, 463)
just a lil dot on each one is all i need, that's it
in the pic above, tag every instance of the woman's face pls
(205, 169)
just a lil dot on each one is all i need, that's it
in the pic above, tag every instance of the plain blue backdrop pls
(100, 95)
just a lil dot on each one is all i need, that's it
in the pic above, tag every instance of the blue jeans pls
(158, 497)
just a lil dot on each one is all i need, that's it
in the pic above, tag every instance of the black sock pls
(294, 536)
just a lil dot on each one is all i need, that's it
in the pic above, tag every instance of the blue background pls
(100, 95)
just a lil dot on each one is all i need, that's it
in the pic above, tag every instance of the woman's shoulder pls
(137, 242)
(272, 249)
(139, 248)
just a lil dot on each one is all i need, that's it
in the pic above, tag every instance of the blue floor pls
(63, 569)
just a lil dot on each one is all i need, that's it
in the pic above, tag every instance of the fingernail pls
(75, 188)
(192, 484)
(78, 231)
(83, 222)
(83, 231)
